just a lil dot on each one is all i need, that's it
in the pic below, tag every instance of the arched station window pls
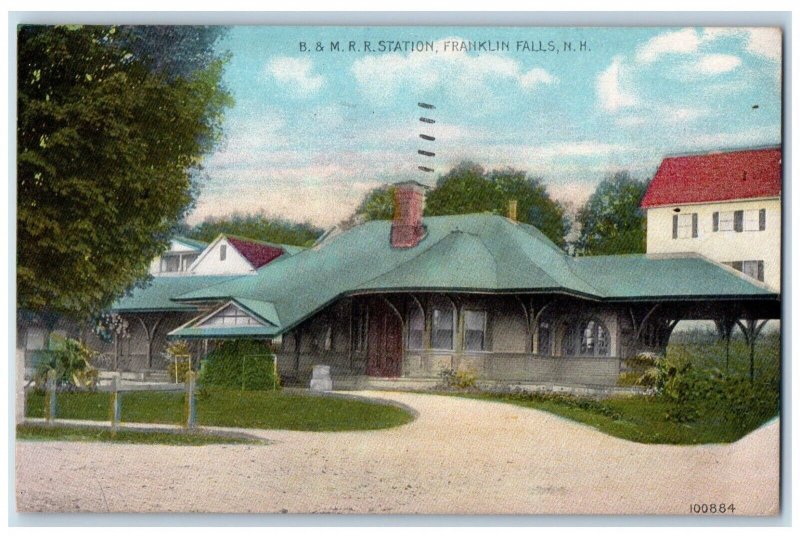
(443, 325)
(416, 327)
(587, 338)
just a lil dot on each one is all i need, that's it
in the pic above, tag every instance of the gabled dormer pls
(232, 255)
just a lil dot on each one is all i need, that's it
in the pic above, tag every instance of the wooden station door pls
(385, 341)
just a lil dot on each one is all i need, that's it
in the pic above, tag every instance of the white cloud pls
(764, 42)
(630, 121)
(534, 77)
(381, 77)
(610, 91)
(584, 148)
(760, 136)
(716, 64)
(681, 42)
(296, 73)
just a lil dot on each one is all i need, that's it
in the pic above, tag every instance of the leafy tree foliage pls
(469, 188)
(378, 204)
(112, 125)
(611, 221)
(256, 226)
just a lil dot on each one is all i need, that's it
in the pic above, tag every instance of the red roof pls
(712, 177)
(258, 254)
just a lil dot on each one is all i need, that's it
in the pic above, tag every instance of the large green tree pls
(469, 188)
(256, 226)
(112, 126)
(611, 221)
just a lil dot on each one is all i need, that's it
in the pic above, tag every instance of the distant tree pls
(464, 189)
(378, 204)
(255, 226)
(611, 221)
(112, 126)
(469, 188)
(534, 205)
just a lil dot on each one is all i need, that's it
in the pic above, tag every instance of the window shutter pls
(738, 220)
(716, 221)
(674, 226)
(762, 219)
(694, 224)
(761, 268)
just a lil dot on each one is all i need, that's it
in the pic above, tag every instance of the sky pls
(313, 129)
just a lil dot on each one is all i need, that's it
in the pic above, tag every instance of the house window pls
(751, 220)
(725, 221)
(187, 261)
(474, 330)
(589, 338)
(223, 252)
(228, 317)
(443, 327)
(544, 337)
(360, 327)
(170, 263)
(684, 226)
(752, 268)
(416, 327)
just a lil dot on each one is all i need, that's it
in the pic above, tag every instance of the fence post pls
(116, 403)
(50, 408)
(20, 372)
(190, 414)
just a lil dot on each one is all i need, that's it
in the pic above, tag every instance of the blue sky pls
(312, 131)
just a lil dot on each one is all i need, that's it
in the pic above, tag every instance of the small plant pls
(179, 361)
(458, 379)
(70, 360)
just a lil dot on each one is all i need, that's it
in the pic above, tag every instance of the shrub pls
(69, 359)
(179, 361)
(460, 379)
(239, 364)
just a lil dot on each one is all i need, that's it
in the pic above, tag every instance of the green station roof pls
(156, 295)
(478, 252)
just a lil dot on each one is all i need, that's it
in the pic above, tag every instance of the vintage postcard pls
(399, 270)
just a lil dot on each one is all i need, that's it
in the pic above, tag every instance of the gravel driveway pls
(459, 456)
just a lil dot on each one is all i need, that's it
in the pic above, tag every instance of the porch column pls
(150, 332)
(751, 329)
(725, 327)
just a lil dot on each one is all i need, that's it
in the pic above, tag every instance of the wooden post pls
(274, 371)
(190, 414)
(116, 403)
(50, 407)
(20, 379)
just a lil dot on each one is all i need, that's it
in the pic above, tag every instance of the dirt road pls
(459, 456)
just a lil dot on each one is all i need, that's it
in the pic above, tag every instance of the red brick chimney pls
(409, 203)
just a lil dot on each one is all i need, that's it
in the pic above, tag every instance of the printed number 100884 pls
(712, 508)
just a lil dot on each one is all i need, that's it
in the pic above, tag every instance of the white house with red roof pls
(724, 205)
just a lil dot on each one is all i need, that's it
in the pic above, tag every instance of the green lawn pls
(40, 432)
(282, 410)
(640, 419)
(644, 419)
